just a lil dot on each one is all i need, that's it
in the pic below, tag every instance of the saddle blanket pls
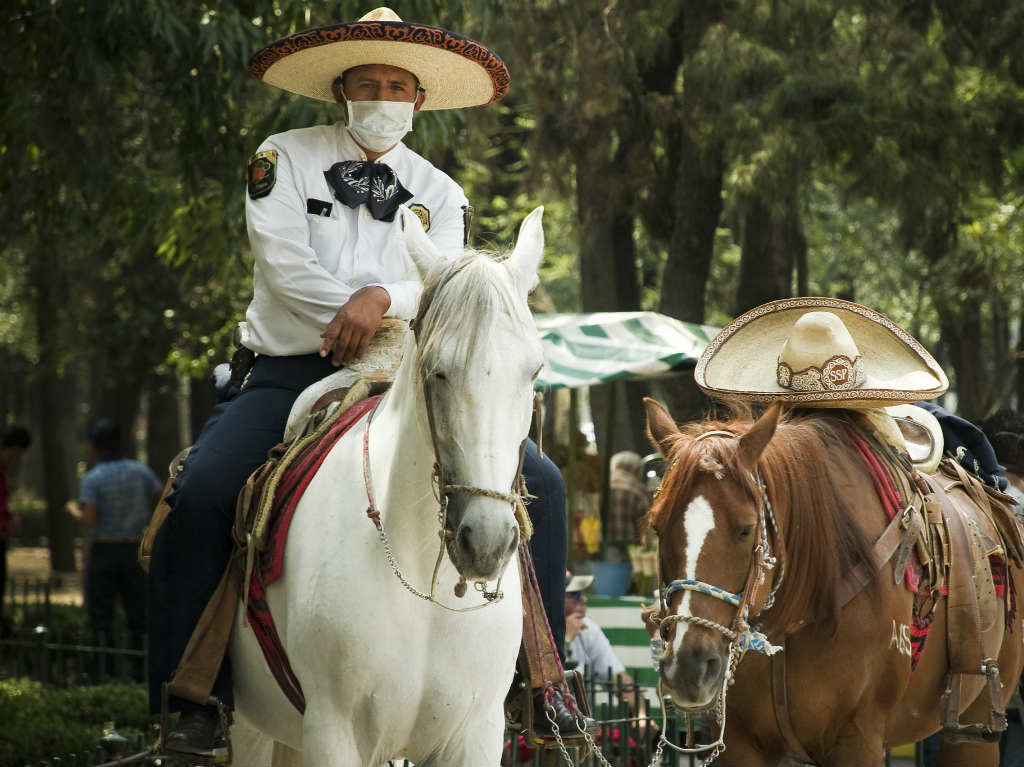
(268, 564)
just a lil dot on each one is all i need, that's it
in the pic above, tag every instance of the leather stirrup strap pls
(543, 666)
(898, 533)
(780, 702)
(962, 612)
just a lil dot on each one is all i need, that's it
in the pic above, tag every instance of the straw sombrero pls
(454, 71)
(822, 352)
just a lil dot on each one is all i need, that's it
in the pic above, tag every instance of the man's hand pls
(353, 326)
(648, 614)
(573, 625)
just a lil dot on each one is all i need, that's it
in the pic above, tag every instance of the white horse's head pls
(478, 355)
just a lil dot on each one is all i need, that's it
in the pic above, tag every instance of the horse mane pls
(823, 539)
(461, 300)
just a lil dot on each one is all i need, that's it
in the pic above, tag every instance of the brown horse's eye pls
(744, 532)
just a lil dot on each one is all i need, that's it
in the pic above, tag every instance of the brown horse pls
(762, 527)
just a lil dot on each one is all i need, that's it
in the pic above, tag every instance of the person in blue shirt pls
(116, 498)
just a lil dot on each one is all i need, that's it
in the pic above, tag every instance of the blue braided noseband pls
(702, 588)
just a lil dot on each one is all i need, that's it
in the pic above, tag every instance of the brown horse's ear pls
(660, 426)
(753, 443)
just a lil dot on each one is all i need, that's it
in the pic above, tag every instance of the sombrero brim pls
(455, 71)
(899, 370)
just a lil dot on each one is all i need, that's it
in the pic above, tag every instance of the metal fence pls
(629, 723)
(44, 651)
(40, 646)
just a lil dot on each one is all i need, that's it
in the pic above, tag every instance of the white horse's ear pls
(422, 251)
(529, 251)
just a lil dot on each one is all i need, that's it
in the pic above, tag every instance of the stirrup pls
(574, 737)
(988, 732)
(220, 755)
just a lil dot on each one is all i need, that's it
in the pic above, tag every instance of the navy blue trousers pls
(549, 543)
(194, 544)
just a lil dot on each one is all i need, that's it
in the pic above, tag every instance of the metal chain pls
(490, 596)
(374, 514)
(549, 712)
(656, 759)
(736, 653)
(593, 746)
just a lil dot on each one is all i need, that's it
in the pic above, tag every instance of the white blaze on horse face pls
(699, 520)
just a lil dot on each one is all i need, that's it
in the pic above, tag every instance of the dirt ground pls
(33, 563)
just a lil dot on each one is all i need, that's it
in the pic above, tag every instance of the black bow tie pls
(374, 184)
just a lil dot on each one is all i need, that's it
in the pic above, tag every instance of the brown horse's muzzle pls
(693, 665)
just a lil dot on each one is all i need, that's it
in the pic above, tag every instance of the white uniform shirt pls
(307, 265)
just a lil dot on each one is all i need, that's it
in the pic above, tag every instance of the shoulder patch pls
(262, 173)
(422, 214)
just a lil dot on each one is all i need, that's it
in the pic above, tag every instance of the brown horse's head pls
(707, 517)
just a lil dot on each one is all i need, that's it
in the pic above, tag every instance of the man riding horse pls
(330, 264)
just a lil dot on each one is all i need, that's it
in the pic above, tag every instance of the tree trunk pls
(697, 209)
(962, 335)
(46, 287)
(773, 242)
(202, 399)
(608, 283)
(163, 424)
(1019, 366)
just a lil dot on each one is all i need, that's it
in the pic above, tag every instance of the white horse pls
(385, 672)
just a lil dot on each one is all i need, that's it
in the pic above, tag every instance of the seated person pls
(588, 649)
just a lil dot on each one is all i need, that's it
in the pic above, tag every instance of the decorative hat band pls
(839, 373)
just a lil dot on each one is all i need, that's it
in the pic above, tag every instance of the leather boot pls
(199, 737)
(569, 724)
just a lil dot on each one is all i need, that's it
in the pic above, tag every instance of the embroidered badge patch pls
(262, 173)
(422, 214)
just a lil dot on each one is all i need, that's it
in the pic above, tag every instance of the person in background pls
(588, 648)
(14, 441)
(115, 500)
(1005, 431)
(630, 499)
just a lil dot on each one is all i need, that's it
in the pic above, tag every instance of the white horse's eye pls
(440, 376)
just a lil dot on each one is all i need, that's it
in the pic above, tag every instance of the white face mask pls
(379, 125)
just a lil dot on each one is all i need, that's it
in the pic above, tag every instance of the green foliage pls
(39, 722)
(888, 136)
(30, 512)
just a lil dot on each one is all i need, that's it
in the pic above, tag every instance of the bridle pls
(442, 490)
(741, 635)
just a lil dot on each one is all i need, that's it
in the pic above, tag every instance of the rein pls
(742, 637)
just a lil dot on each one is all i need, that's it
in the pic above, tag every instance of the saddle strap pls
(780, 702)
(963, 617)
(200, 663)
(900, 534)
(994, 505)
(539, 654)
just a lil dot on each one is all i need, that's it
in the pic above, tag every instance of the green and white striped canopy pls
(588, 349)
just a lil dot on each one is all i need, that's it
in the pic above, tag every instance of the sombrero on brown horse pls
(821, 352)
